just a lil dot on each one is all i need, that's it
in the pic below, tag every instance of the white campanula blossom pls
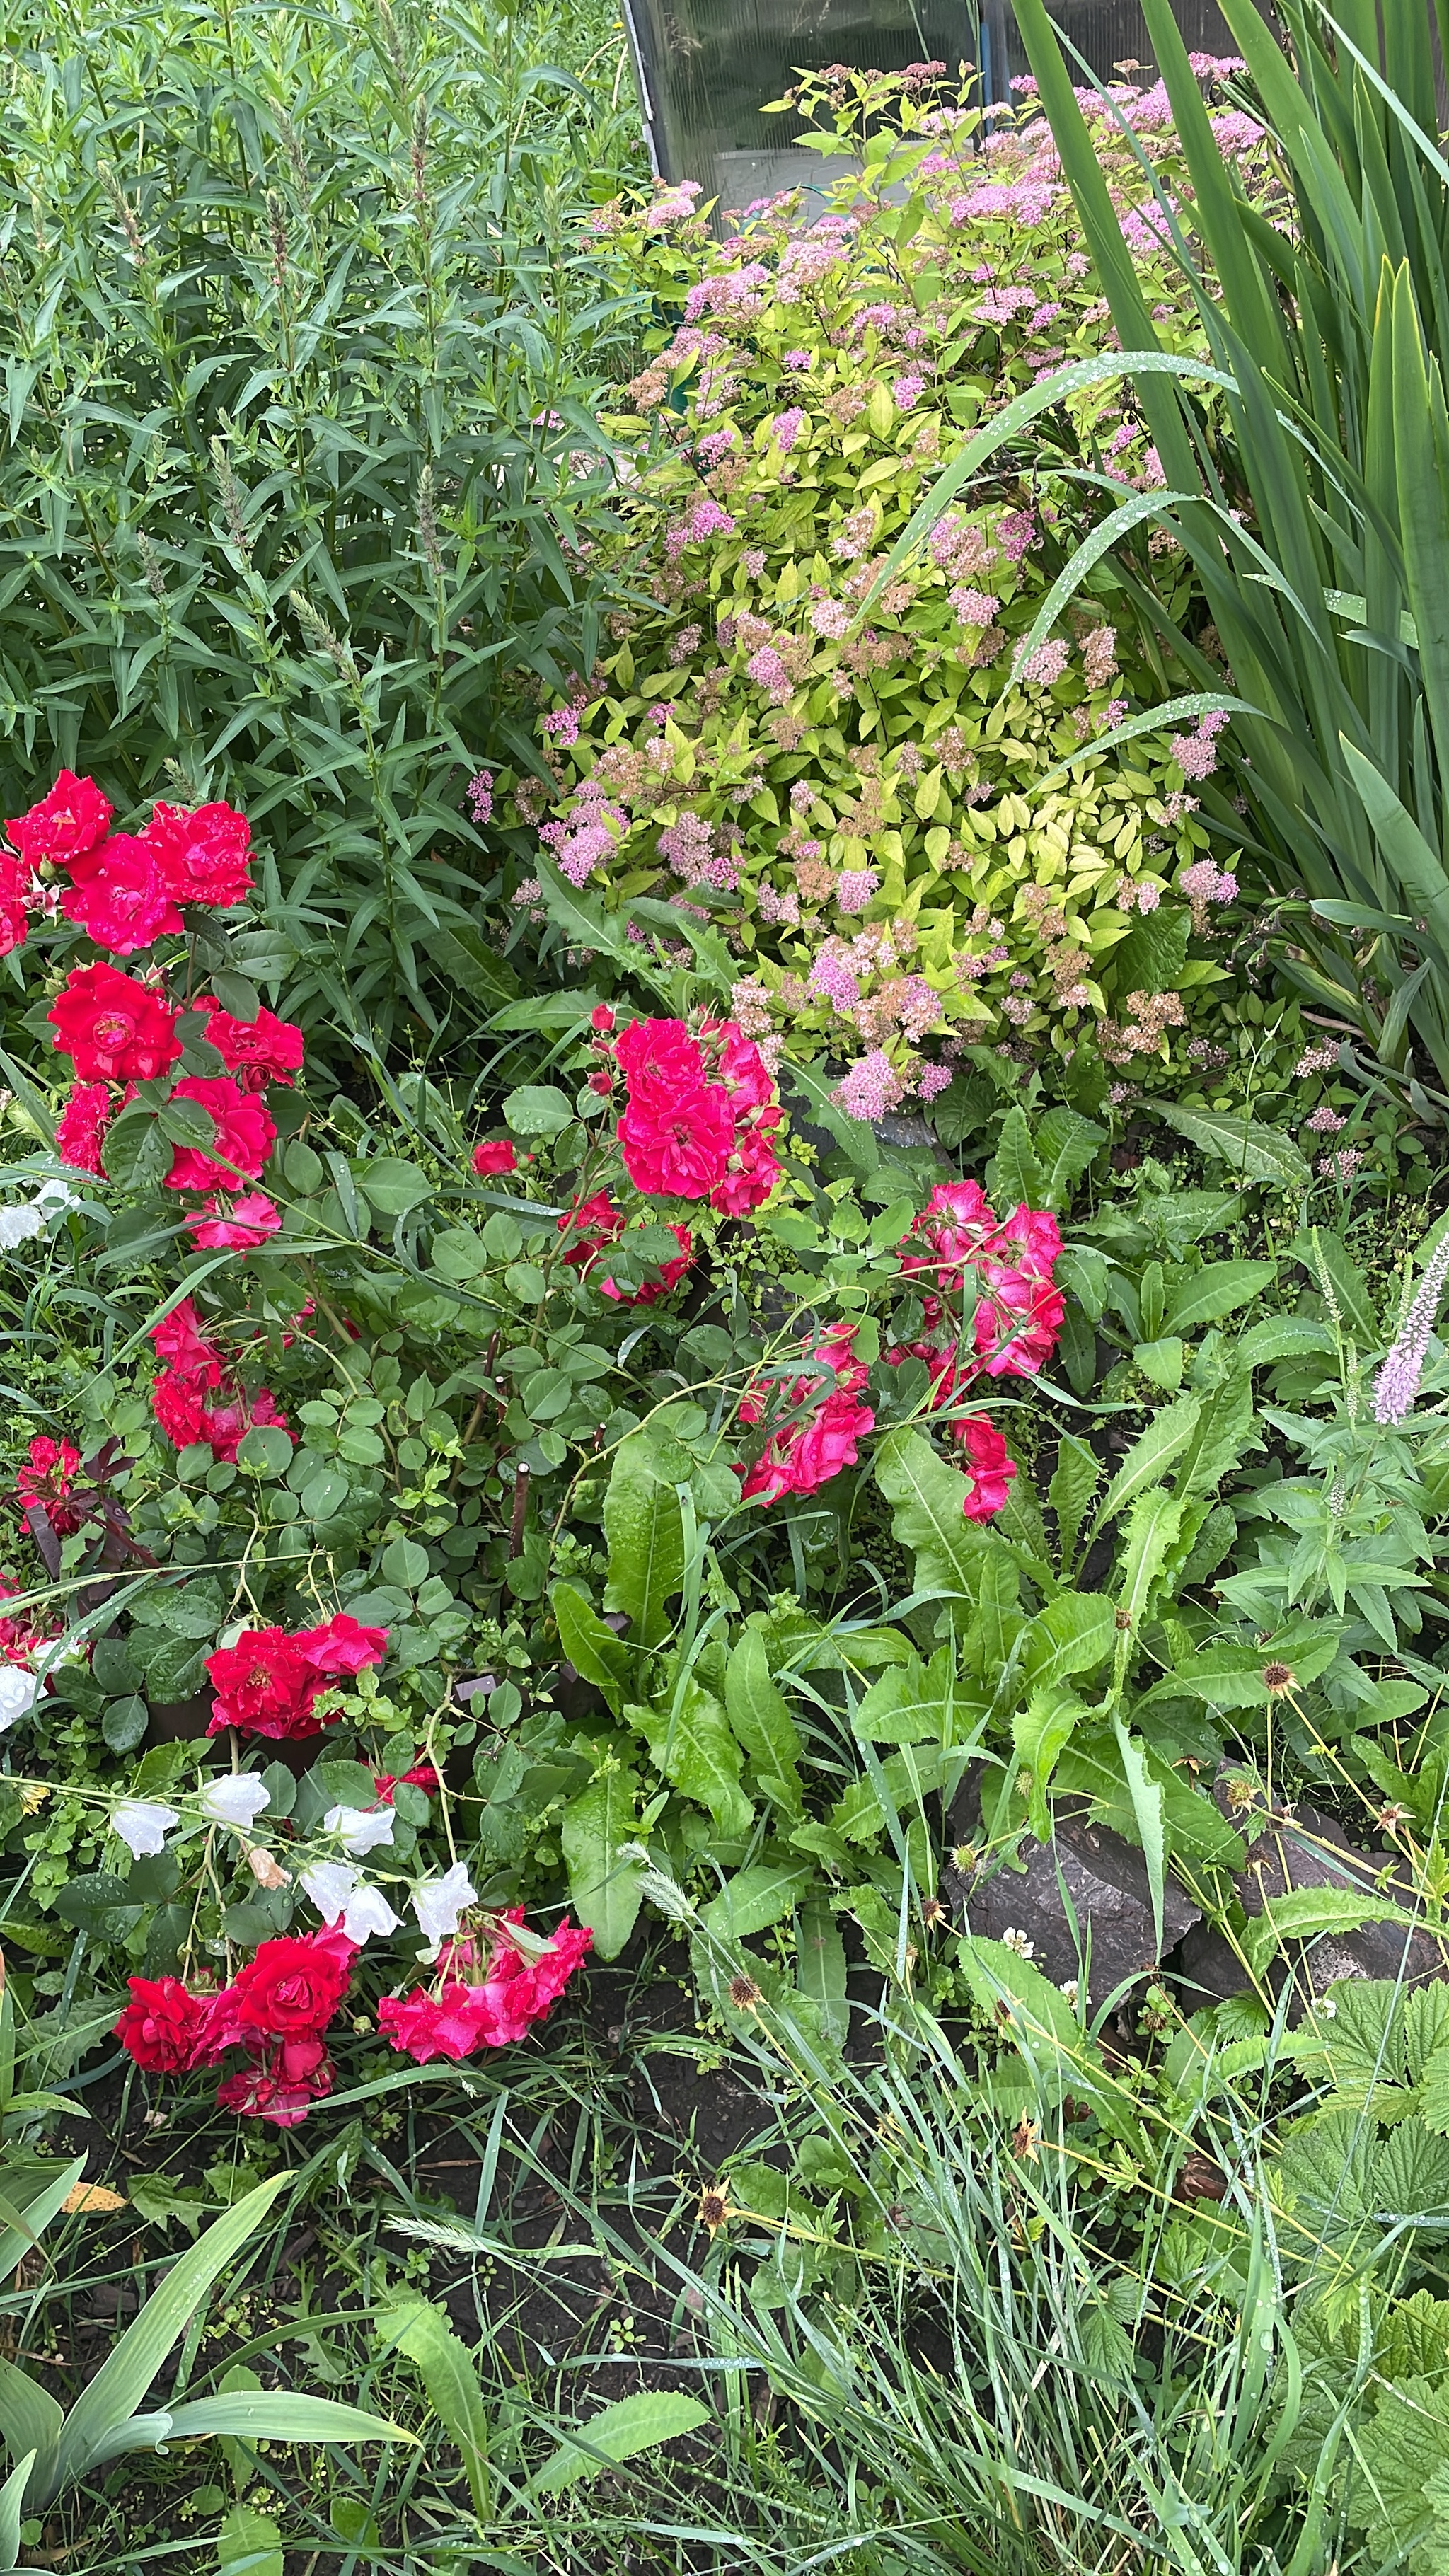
(336, 1890)
(368, 1911)
(237, 1798)
(142, 1825)
(438, 1903)
(359, 1829)
(23, 1223)
(18, 1690)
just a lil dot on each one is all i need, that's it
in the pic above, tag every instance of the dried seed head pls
(1278, 1678)
(744, 1994)
(714, 2209)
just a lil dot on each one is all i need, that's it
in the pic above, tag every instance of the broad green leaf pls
(1152, 1528)
(249, 2543)
(694, 1747)
(1218, 1289)
(905, 1706)
(590, 1644)
(1305, 1912)
(391, 1186)
(1073, 1634)
(1147, 1809)
(279, 2415)
(820, 1970)
(33, 2194)
(754, 1899)
(1161, 1362)
(619, 2432)
(1282, 1337)
(604, 1891)
(1253, 1152)
(1150, 1456)
(645, 1530)
(1065, 1145)
(538, 1110)
(1014, 1177)
(1040, 1729)
(12, 2509)
(930, 1501)
(1075, 1479)
(112, 2396)
(421, 2329)
(763, 1724)
(30, 2418)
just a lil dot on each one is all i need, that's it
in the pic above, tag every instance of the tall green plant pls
(299, 331)
(1330, 590)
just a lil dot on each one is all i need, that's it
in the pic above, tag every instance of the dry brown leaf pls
(92, 2195)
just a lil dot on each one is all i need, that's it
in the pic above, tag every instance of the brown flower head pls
(1278, 1678)
(744, 1994)
(714, 2209)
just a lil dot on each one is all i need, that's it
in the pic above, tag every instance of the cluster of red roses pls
(197, 1396)
(452, 2018)
(277, 2008)
(281, 2004)
(826, 1421)
(269, 1681)
(1017, 1315)
(126, 891)
(699, 1113)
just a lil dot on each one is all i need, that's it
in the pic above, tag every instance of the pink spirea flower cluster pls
(700, 1114)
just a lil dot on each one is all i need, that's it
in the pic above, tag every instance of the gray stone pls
(1106, 1880)
(1303, 1848)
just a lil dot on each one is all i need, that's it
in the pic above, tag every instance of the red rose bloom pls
(179, 1340)
(751, 1170)
(162, 2025)
(293, 1986)
(65, 824)
(247, 1223)
(118, 898)
(116, 1029)
(988, 1465)
(259, 1051)
(245, 1135)
(806, 1454)
(282, 2086)
(341, 1645)
(201, 857)
(45, 1484)
(661, 1052)
(517, 1990)
(494, 1157)
(742, 1068)
(16, 890)
(268, 1682)
(422, 1777)
(677, 1142)
(82, 1125)
(178, 1409)
(587, 1227)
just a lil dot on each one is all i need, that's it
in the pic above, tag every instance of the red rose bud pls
(601, 1017)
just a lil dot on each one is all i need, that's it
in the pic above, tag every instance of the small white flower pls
(1012, 1939)
(330, 1884)
(438, 1902)
(23, 1223)
(142, 1826)
(360, 1829)
(1327, 2006)
(1071, 1990)
(368, 1912)
(18, 1690)
(237, 1798)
